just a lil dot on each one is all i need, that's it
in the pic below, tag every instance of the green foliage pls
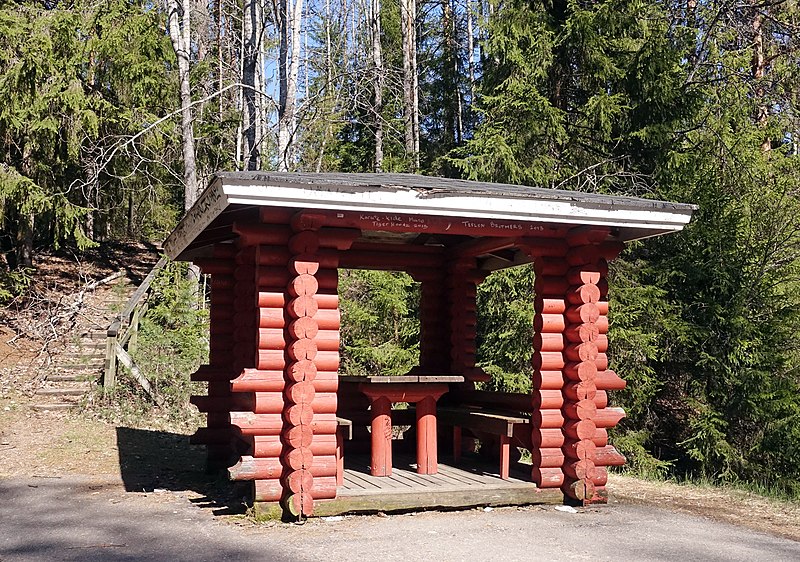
(173, 342)
(505, 329)
(380, 322)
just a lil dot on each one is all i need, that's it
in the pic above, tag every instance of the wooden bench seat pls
(486, 421)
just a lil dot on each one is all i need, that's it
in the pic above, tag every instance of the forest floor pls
(149, 462)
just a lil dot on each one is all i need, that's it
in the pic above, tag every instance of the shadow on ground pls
(158, 460)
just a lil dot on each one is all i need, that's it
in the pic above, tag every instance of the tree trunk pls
(377, 61)
(408, 17)
(758, 65)
(291, 16)
(250, 44)
(178, 24)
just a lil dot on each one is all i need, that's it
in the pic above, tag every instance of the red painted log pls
(271, 360)
(547, 438)
(253, 380)
(302, 349)
(549, 305)
(609, 456)
(608, 417)
(583, 313)
(355, 259)
(273, 277)
(307, 263)
(549, 323)
(584, 371)
(601, 362)
(580, 450)
(547, 419)
(273, 403)
(582, 490)
(551, 286)
(306, 242)
(548, 342)
(600, 437)
(581, 352)
(299, 480)
(580, 333)
(300, 436)
(589, 273)
(303, 285)
(267, 490)
(580, 390)
(550, 267)
(303, 370)
(546, 400)
(273, 424)
(252, 234)
(581, 410)
(276, 318)
(302, 392)
(548, 361)
(580, 469)
(548, 380)
(298, 459)
(272, 446)
(547, 477)
(609, 380)
(547, 458)
(299, 414)
(305, 327)
(307, 220)
(583, 294)
(600, 477)
(579, 430)
(602, 307)
(269, 468)
(601, 399)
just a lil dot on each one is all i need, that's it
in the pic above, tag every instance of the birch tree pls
(179, 28)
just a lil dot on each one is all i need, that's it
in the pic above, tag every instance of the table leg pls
(427, 461)
(381, 461)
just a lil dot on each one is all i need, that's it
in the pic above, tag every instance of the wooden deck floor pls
(470, 484)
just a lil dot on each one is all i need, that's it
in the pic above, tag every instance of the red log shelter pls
(272, 244)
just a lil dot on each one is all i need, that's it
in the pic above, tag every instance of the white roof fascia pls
(409, 201)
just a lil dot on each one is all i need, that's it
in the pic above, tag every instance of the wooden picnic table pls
(383, 391)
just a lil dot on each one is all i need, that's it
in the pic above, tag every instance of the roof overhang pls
(629, 218)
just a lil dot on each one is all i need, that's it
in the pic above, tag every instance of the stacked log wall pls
(587, 378)
(217, 436)
(462, 285)
(547, 438)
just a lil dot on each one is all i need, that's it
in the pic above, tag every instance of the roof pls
(631, 218)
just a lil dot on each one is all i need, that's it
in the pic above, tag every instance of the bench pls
(486, 421)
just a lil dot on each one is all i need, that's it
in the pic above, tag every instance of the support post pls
(381, 427)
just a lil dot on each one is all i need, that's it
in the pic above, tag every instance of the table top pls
(394, 379)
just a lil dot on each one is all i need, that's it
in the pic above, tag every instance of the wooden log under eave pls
(609, 456)
(582, 313)
(609, 380)
(581, 410)
(549, 305)
(547, 457)
(548, 341)
(548, 380)
(608, 417)
(546, 478)
(326, 319)
(548, 361)
(547, 438)
(583, 294)
(272, 360)
(549, 323)
(249, 423)
(322, 488)
(548, 419)
(586, 351)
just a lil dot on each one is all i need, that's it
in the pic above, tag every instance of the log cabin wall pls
(570, 441)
